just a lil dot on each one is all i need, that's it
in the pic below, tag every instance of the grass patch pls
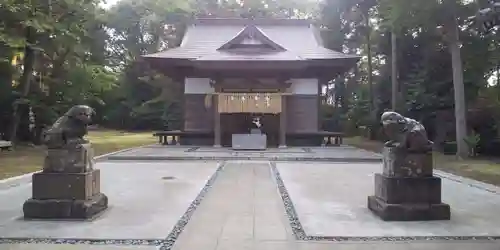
(109, 141)
(485, 170)
(29, 159)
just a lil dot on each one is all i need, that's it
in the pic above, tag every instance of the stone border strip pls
(400, 238)
(191, 149)
(130, 242)
(307, 150)
(233, 158)
(300, 233)
(163, 244)
(469, 182)
(26, 178)
(297, 229)
(106, 156)
(184, 220)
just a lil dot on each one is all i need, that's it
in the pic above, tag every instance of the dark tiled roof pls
(203, 39)
(224, 56)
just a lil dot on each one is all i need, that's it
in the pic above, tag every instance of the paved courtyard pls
(236, 203)
(330, 154)
(341, 211)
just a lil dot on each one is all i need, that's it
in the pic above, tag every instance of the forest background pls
(422, 58)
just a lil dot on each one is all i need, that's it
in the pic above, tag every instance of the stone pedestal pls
(398, 163)
(65, 196)
(249, 142)
(407, 190)
(76, 158)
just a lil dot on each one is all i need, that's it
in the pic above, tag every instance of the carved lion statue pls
(70, 128)
(405, 133)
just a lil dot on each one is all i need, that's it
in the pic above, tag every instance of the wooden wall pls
(196, 115)
(302, 113)
(301, 107)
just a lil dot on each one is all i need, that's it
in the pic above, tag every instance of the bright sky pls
(109, 3)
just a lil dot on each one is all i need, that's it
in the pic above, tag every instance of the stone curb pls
(70, 241)
(26, 178)
(469, 182)
(236, 158)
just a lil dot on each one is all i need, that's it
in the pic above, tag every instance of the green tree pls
(58, 40)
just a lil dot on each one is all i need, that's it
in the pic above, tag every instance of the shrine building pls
(239, 72)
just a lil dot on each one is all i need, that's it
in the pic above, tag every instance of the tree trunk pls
(394, 71)
(25, 81)
(458, 86)
(369, 66)
(6, 76)
(373, 105)
(339, 93)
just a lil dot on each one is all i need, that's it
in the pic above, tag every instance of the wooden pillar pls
(217, 131)
(283, 118)
(320, 114)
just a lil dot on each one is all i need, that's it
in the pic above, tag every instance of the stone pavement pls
(258, 205)
(143, 203)
(72, 247)
(242, 211)
(343, 213)
(330, 154)
(245, 211)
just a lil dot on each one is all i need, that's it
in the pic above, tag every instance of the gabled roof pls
(285, 40)
(252, 39)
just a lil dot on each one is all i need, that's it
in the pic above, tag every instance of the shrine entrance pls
(250, 114)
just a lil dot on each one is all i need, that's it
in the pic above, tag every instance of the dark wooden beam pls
(329, 72)
(283, 122)
(329, 68)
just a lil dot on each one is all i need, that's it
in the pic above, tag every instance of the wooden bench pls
(5, 145)
(332, 138)
(164, 135)
(323, 138)
(185, 137)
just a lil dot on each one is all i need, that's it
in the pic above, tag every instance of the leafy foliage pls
(54, 54)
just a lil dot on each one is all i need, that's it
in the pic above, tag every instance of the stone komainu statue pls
(70, 128)
(67, 151)
(405, 133)
(69, 186)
